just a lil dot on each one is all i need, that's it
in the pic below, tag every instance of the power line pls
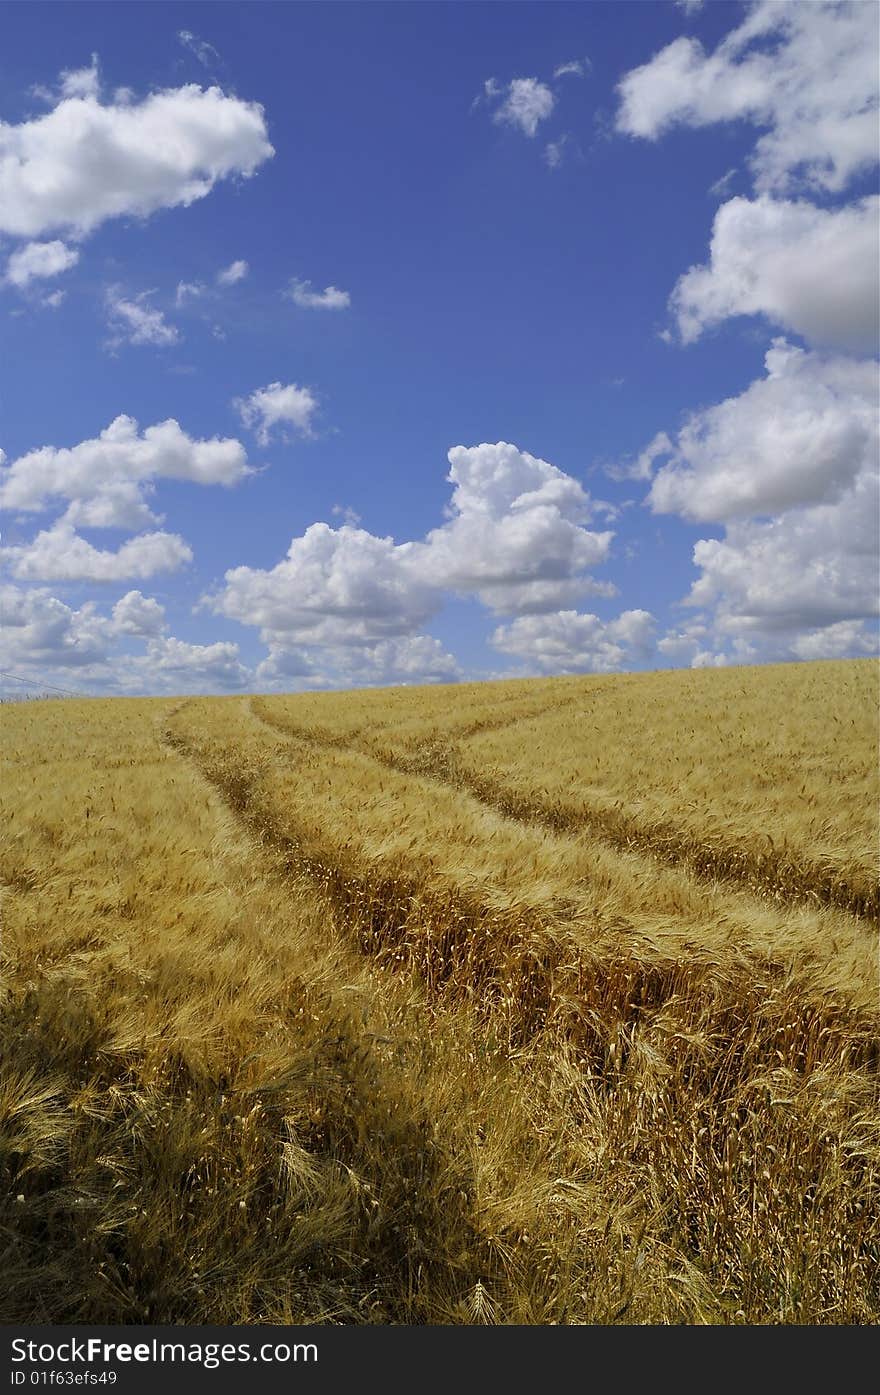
(69, 692)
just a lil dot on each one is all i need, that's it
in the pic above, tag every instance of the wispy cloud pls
(188, 290)
(200, 48)
(331, 298)
(554, 151)
(236, 271)
(721, 188)
(527, 103)
(577, 67)
(136, 322)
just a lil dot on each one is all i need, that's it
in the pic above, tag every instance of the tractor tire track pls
(770, 873)
(533, 973)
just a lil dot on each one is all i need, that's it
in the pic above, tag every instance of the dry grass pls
(300, 1024)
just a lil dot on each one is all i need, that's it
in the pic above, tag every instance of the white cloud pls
(801, 435)
(194, 666)
(765, 257)
(39, 632)
(60, 554)
(120, 504)
(846, 639)
(106, 477)
(568, 642)
(331, 298)
(53, 300)
(689, 7)
(684, 642)
(514, 538)
(86, 161)
(799, 570)
(236, 271)
(526, 104)
(39, 260)
(136, 322)
(806, 73)
(402, 660)
(286, 667)
(136, 614)
(410, 659)
(81, 82)
(516, 534)
(43, 639)
(335, 587)
(278, 404)
(789, 468)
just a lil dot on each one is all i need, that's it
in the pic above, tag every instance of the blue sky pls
(488, 338)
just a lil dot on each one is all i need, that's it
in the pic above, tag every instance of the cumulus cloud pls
(236, 271)
(688, 644)
(801, 435)
(39, 632)
(807, 74)
(846, 639)
(137, 322)
(807, 269)
(331, 298)
(789, 469)
(402, 660)
(278, 405)
(59, 553)
(178, 664)
(39, 260)
(106, 477)
(334, 587)
(523, 103)
(137, 614)
(411, 659)
(81, 82)
(44, 639)
(515, 535)
(121, 504)
(568, 642)
(86, 161)
(796, 571)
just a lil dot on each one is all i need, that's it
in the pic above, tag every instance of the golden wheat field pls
(546, 1001)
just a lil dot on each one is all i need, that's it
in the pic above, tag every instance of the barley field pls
(541, 1001)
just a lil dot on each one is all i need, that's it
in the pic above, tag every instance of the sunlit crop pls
(538, 1002)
